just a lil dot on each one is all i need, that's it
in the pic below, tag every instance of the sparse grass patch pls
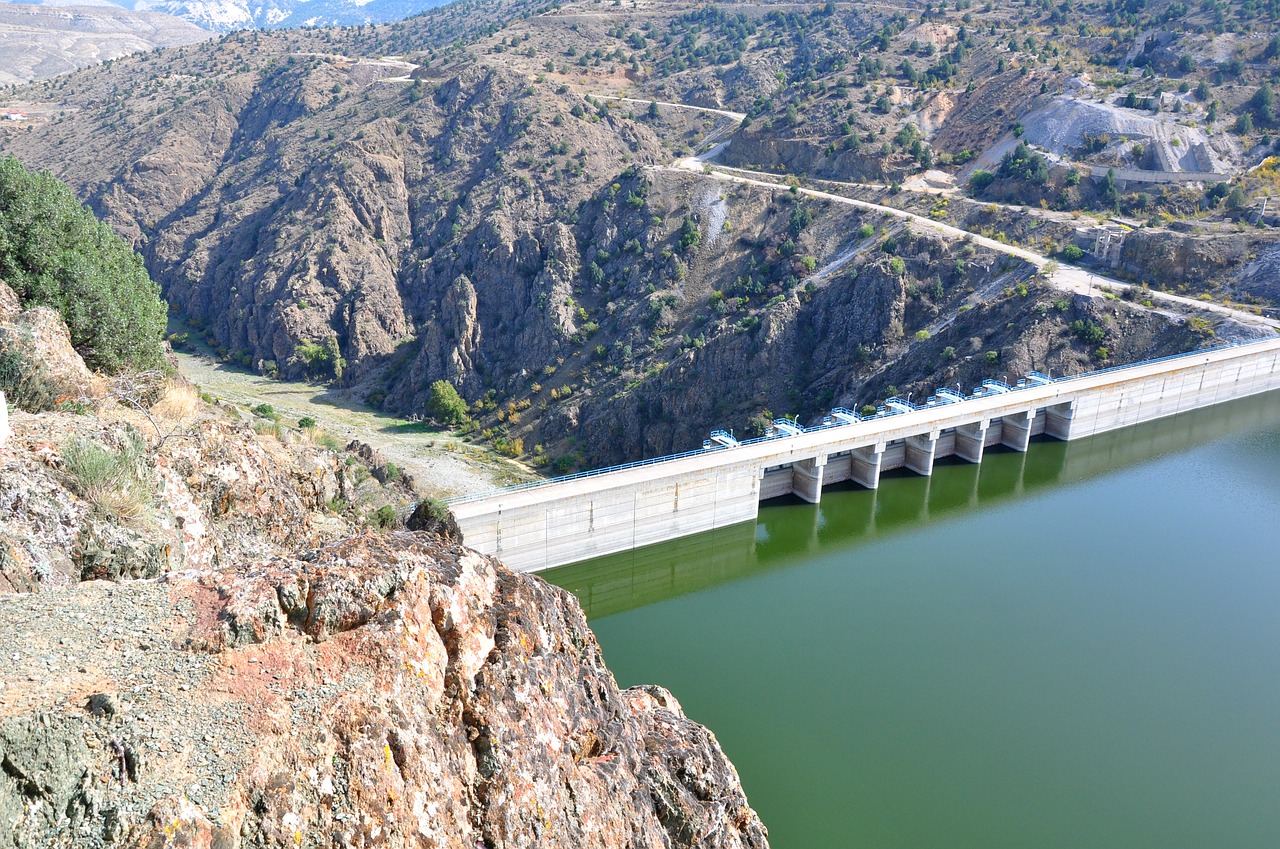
(114, 481)
(25, 382)
(268, 428)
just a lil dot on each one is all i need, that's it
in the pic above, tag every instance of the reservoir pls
(1076, 646)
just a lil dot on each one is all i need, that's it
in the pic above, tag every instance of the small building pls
(13, 115)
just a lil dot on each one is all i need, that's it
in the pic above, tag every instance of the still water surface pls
(1075, 647)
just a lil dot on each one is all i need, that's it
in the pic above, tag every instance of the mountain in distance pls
(230, 15)
(38, 42)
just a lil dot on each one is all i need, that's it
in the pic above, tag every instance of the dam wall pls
(552, 523)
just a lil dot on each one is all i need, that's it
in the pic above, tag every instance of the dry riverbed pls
(441, 463)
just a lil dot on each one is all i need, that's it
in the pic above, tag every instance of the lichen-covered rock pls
(41, 337)
(10, 306)
(217, 493)
(390, 690)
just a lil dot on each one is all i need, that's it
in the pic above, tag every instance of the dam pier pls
(551, 523)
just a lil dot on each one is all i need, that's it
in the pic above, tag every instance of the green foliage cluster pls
(1088, 331)
(385, 517)
(54, 253)
(445, 404)
(318, 359)
(1022, 163)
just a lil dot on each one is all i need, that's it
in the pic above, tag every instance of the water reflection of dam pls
(846, 519)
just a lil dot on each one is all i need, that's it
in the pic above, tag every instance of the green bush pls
(384, 517)
(306, 422)
(1087, 331)
(445, 405)
(54, 253)
(980, 180)
(1071, 253)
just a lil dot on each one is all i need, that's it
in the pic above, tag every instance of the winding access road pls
(1062, 276)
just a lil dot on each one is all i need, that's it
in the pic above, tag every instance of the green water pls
(1075, 647)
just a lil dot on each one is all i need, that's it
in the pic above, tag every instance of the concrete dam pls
(552, 523)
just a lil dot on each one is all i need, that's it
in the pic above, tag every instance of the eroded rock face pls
(218, 495)
(388, 690)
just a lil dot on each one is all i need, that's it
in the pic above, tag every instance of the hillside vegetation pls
(55, 253)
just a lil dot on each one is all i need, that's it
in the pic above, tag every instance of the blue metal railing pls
(892, 406)
(1194, 353)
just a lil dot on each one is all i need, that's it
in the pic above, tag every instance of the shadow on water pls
(787, 529)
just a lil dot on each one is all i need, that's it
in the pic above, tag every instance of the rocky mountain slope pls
(446, 198)
(229, 15)
(210, 642)
(391, 690)
(136, 477)
(37, 42)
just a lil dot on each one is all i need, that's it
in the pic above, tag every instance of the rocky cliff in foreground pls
(386, 690)
(202, 649)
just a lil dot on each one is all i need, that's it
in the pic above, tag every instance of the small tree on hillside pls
(445, 404)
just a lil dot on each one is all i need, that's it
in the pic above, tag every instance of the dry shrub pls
(322, 438)
(178, 403)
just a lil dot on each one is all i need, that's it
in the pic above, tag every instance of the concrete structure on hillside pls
(547, 524)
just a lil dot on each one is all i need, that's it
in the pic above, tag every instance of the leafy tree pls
(54, 253)
(1025, 164)
(980, 180)
(1264, 103)
(1237, 199)
(1110, 193)
(1273, 48)
(445, 404)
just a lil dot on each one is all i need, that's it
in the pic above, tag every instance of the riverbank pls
(442, 463)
